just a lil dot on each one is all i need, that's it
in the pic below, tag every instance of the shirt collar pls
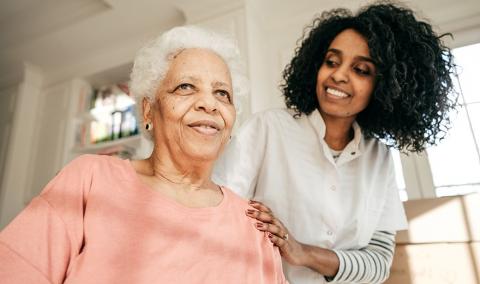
(352, 148)
(357, 134)
(318, 124)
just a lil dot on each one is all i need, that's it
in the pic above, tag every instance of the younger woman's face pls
(346, 78)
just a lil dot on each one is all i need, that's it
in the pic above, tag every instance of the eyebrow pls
(190, 78)
(360, 57)
(220, 84)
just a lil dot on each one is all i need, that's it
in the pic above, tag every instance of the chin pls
(204, 153)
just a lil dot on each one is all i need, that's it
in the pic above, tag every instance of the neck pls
(338, 132)
(180, 171)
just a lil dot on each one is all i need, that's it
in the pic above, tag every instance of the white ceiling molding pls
(465, 31)
(116, 30)
(21, 21)
(79, 38)
(197, 11)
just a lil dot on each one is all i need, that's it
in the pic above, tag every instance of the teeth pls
(337, 93)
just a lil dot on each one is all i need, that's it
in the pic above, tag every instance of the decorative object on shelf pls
(114, 114)
(111, 117)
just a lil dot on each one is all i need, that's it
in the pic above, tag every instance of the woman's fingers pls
(291, 250)
(263, 214)
(260, 206)
(276, 240)
(271, 228)
(268, 222)
(260, 216)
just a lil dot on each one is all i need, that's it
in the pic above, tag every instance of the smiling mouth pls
(336, 93)
(205, 127)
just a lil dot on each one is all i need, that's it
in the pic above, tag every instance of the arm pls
(367, 265)
(40, 243)
(35, 246)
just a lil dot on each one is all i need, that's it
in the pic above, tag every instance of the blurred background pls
(64, 68)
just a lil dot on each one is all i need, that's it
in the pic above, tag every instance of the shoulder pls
(375, 149)
(377, 160)
(235, 199)
(271, 119)
(277, 114)
(80, 172)
(91, 161)
(272, 115)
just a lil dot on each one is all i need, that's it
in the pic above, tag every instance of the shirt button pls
(333, 188)
(329, 233)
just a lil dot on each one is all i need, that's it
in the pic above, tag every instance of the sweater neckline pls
(163, 200)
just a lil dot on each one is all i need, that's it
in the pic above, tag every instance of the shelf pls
(131, 142)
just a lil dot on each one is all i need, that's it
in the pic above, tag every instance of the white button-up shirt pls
(285, 162)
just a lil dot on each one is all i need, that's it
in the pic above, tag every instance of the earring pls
(148, 126)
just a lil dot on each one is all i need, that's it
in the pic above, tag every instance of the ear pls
(147, 110)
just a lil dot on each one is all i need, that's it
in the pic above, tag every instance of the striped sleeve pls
(370, 264)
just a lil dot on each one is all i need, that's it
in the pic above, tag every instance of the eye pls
(184, 89)
(223, 95)
(330, 62)
(185, 86)
(362, 71)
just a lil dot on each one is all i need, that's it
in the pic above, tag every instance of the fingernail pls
(259, 225)
(250, 211)
(251, 201)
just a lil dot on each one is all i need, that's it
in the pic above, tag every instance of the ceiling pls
(63, 36)
(445, 15)
(67, 38)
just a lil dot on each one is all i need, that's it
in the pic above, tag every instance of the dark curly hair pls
(413, 92)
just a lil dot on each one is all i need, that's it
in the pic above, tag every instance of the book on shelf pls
(111, 116)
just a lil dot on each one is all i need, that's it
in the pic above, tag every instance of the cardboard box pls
(442, 244)
(472, 213)
(441, 220)
(435, 264)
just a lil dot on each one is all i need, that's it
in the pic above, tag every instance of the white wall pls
(267, 32)
(7, 108)
(22, 144)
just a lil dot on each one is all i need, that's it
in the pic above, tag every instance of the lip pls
(205, 127)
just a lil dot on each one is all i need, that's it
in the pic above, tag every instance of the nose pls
(206, 102)
(340, 74)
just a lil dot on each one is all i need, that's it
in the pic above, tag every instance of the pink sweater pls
(95, 222)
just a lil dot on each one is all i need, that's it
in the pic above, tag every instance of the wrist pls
(322, 260)
(304, 258)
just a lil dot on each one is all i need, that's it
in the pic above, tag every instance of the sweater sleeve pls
(367, 265)
(40, 243)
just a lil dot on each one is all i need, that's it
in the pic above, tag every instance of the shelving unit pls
(126, 143)
(106, 123)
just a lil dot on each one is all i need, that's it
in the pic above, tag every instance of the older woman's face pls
(193, 112)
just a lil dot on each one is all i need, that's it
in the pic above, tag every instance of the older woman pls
(159, 220)
(320, 171)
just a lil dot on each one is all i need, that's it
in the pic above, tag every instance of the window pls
(455, 162)
(399, 175)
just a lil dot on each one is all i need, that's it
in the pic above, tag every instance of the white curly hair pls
(152, 62)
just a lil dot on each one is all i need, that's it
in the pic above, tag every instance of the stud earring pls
(148, 126)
